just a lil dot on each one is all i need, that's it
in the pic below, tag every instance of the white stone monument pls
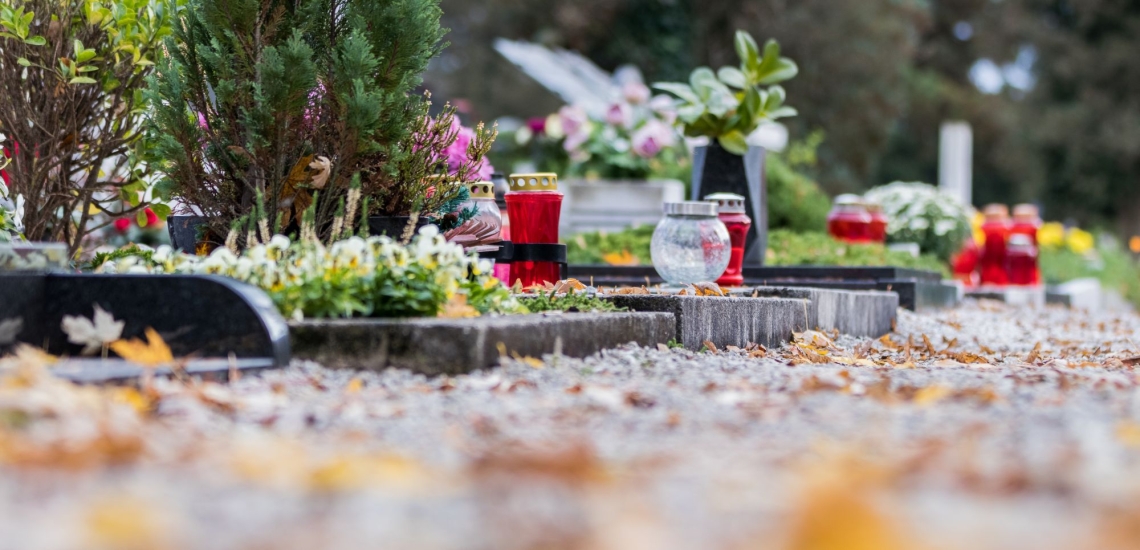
(956, 160)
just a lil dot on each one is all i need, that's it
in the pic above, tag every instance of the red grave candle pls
(534, 206)
(994, 253)
(849, 220)
(1021, 259)
(1026, 221)
(878, 228)
(965, 263)
(730, 210)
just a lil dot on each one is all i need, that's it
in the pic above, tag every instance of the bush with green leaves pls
(731, 103)
(921, 213)
(266, 107)
(795, 200)
(816, 248)
(72, 110)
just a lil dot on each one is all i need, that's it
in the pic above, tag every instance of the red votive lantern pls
(1021, 259)
(1026, 221)
(965, 263)
(878, 228)
(730, 210)
(533, 207)
(849, 220)
(994, 253)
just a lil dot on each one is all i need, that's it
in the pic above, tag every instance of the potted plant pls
(311, 114)
(726, 107)
(77, 69)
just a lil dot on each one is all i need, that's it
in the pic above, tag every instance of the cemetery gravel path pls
(980, 427)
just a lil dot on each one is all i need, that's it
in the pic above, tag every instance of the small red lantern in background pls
(879, 221)
(534, 206)
(965, 263)
(730, 210)
(994, 253)
(849, 220)
(1021, 260)
(1027, 221)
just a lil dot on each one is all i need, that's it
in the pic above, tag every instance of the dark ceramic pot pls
(184, 231)
(715, 170)
(392, 226)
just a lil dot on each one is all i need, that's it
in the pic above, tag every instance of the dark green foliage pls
(255, 91)
(591, 248)
(795, 201)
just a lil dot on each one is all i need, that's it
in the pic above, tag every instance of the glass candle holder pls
(486, 226)
(1027, 221)
(534, 205)
(877, 230)
(849, 220)
(730, 210)
(1021, 259)
(690, 244)
(996, 230)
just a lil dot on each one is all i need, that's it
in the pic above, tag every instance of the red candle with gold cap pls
(534, 205)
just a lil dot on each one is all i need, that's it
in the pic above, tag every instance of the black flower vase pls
(393, 226)
(184, 231)
(716, 170)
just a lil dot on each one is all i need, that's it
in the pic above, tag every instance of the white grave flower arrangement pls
(920, 213)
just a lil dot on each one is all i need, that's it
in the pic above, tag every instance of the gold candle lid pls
(542, 181)
(482, 190)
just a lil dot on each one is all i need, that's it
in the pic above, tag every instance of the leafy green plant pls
(571, 301)
(795, 200)
(596, 248)
(731, 103)
(72, 110)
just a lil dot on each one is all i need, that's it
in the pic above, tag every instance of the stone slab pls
(457, 346)
(857, 313)
(117, 371)
(1084, 294)
(726, 321)
(1012, 295)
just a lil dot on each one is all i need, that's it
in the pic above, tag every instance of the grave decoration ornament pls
(690, 244)
(484, 221)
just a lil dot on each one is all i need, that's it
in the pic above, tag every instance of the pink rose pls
(574, 119)
(635, 92)
(618, 115)
(651, 138)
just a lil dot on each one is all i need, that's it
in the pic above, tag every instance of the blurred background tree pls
(1049, 86)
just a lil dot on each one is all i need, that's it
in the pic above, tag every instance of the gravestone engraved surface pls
(198, 316)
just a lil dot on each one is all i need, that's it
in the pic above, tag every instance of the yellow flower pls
(1080, 241)
(976, 227)
(1051, 235)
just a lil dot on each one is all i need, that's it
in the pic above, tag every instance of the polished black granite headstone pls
(199, 316)
(715, 170)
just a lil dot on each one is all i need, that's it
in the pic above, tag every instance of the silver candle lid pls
(691, 208)
(727, 203)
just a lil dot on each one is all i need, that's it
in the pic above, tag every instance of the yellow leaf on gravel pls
(839, 517)
(1128, 433)
(457, 308)
(152, 353)
(126, 523)
(930, 395)
(354, 386)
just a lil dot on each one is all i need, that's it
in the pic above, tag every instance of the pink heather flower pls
(574, 119)
(456, 154)
(635, 92)
(618, 115)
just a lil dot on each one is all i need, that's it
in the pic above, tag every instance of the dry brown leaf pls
(711, 347)
(888, 343)
(707, 289)
(1034, 355)
(152, 353)
(458, 308)
(930, 395)
(629, 290)
(322, 169)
